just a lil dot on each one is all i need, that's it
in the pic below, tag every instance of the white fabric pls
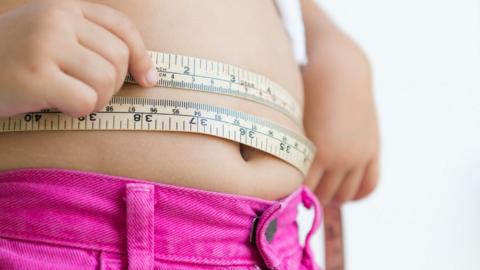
(291, 13)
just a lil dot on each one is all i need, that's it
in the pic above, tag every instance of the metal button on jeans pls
(271, 230)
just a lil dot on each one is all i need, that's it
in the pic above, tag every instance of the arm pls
(340, 114)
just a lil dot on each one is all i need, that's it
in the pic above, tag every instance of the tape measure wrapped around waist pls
(154, 114)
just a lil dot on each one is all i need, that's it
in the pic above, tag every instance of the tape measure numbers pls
(186, 72)
(152, 114)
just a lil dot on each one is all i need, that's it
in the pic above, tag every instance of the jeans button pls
(271, 230)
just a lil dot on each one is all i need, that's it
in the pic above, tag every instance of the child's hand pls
(70, 55)
(340, 119)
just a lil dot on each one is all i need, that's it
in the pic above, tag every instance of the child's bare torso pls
(245, 33)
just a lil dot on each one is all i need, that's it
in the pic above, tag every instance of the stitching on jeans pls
(139, 189)
(281, 258)
(219, 198)
(209, 196)
(164, 257)
(167, 188)
(110, 262)
(161, 186)
(88, 245)
(289, 255)
(188, 259)
(115, 249)
(108, 178)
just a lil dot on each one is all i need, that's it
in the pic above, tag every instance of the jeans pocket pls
(20, 254)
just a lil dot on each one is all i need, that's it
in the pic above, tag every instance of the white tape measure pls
(154, 114)
(186, 72)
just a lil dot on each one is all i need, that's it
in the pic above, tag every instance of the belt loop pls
(140, 226)
(309, 200)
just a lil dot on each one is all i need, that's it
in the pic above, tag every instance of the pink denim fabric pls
(67, 219)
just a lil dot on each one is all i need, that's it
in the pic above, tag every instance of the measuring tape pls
(186, 72)
(154, 114)
(334, 251)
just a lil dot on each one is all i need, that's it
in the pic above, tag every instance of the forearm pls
(339, 112)
(336, 63)
(316, 21)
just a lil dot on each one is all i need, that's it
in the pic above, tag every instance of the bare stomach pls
(245, 33)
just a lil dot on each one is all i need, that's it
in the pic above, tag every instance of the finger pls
(92, 69)
(314, 175)
(370, 179)
(70, 95)
(141, 66)
(329, 185)
(350, 185)
(109, 46)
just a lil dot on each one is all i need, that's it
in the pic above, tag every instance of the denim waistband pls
(173, 223)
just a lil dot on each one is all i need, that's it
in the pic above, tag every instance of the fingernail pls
(152, 77)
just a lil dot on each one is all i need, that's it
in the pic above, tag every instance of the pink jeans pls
(67, 219)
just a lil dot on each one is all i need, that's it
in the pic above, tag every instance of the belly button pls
(243, 152)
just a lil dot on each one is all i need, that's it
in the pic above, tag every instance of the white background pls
(425, 213)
